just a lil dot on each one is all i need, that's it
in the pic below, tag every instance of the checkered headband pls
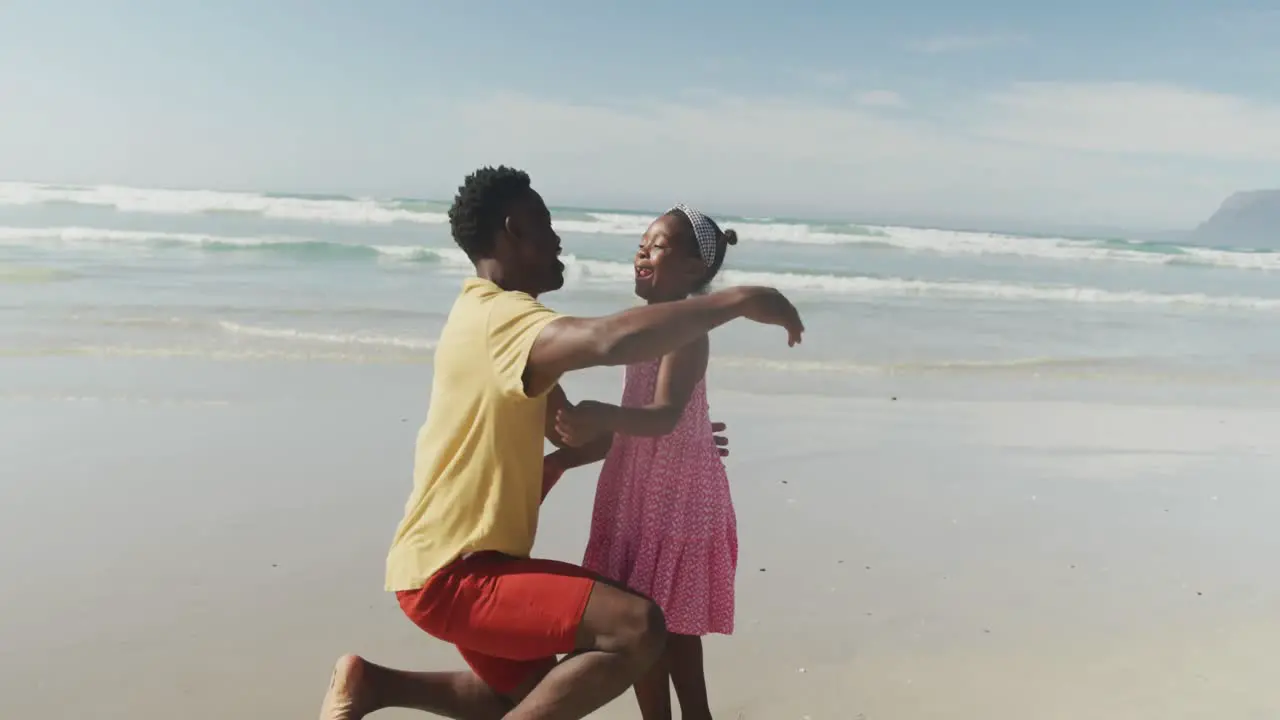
(703, 229)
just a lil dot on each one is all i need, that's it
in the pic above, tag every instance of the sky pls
(1123, 113)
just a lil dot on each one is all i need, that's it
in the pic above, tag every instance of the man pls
(460, 563)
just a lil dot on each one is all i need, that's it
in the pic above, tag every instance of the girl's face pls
(667, 264)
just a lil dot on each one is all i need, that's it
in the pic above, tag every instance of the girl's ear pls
(695, 270)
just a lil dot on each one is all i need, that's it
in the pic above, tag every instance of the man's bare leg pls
(620, 636)
(359, 687)
(653, 691)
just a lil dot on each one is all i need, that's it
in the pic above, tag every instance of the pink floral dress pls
(664, 523)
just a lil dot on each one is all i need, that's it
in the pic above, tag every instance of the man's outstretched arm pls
(648, 332)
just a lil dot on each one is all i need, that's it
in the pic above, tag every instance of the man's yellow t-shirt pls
(477, 477)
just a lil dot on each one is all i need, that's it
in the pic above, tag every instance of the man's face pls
(535, 247)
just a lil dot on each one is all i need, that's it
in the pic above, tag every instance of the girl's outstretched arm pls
(678, 374)
(556, 463)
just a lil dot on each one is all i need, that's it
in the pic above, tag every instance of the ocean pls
(240, 277)
(995, 461)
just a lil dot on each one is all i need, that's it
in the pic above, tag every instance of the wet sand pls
(191, 540)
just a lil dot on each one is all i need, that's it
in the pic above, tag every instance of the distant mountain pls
(1246, 219)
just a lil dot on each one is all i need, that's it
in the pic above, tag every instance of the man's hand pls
(767, 306)
(722, 440)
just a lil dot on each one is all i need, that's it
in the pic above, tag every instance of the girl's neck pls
(655, 301)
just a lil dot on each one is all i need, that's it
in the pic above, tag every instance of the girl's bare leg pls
(684, 659)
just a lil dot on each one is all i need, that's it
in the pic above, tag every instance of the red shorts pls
(509, 617)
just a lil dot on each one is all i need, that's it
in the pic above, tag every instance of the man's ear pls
(510, 226)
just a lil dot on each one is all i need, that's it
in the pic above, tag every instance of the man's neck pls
(491, 270)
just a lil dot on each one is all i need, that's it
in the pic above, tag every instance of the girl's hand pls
(584, 422)
(768, 306)
(722, 440)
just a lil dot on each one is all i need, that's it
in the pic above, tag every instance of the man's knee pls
(625, 623)
(647, 631)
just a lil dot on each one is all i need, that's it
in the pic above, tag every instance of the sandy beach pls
(201, 540)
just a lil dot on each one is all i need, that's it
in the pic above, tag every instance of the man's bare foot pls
(347, 696)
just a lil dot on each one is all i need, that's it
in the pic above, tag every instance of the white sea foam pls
(329, 338)
(636, 224)
(579, 270)
(189, 202)
(940, 365)
(954, 242)
(90, 237)
(969, 290)
(900, 287)
(236, 341)
(451, 256)
(343, 210)
(219, 354)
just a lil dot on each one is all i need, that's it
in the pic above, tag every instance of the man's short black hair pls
(481, 205)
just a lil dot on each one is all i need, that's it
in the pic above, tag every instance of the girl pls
(664, 522)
